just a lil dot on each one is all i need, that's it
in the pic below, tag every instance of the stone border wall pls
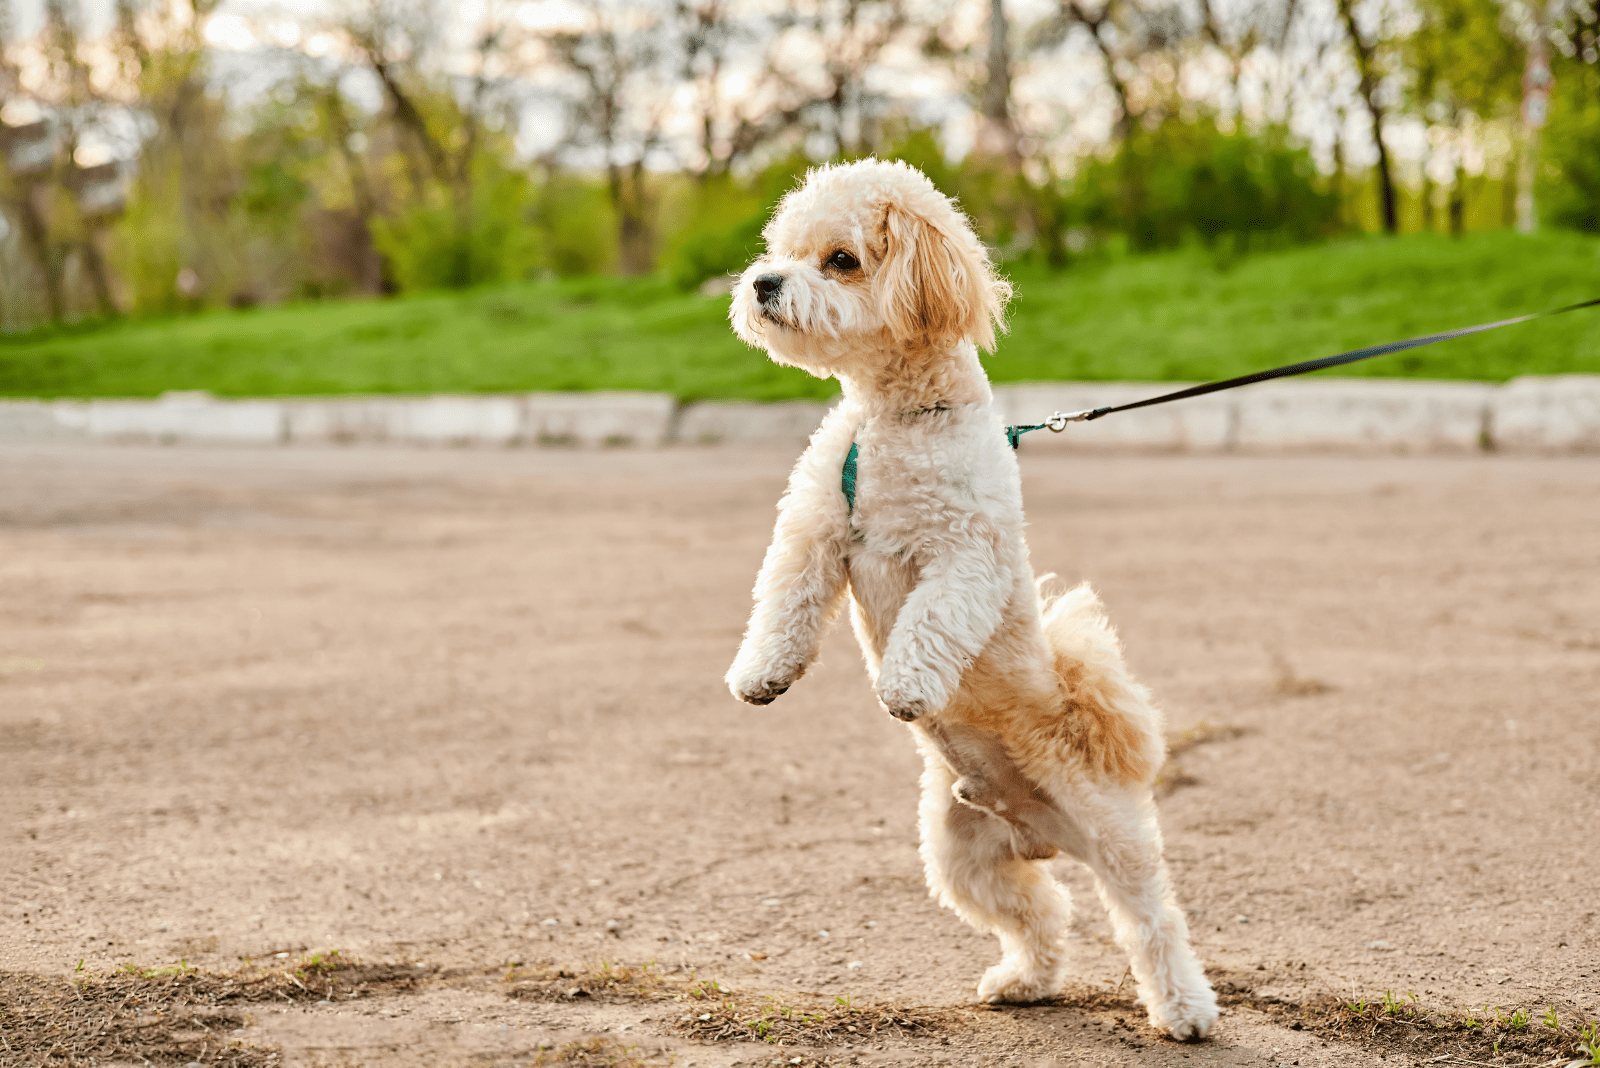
(1550, 414)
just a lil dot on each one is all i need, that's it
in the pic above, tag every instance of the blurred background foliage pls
(136, 187)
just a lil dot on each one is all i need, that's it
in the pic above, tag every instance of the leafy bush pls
(439, 245)
(719, 230)
(1571, 184)
(1183, 180)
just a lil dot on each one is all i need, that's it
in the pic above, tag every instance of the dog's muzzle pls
(768, 286)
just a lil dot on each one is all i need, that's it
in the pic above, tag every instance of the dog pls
(1036, 741)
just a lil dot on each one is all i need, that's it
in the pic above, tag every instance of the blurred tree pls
(997, 131)
(1371, 51)
(61, 207)
(618, 111)
(180, 245)
(1572, 142)
(826, 48)
(443, 234)
(1463, 68)
(1112, 27)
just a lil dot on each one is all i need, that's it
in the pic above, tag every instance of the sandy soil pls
(463, 709)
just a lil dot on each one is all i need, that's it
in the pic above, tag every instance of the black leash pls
(1058, 422)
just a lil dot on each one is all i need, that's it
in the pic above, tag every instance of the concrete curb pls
(1392, 415)
(1554, 414)
(749, 422)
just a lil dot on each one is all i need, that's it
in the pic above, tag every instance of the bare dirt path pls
(461, 710)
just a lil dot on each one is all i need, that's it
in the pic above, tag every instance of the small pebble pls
(854, 965)
(551, 922)
(1241, 918)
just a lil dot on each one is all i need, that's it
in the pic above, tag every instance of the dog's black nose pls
(767, 287)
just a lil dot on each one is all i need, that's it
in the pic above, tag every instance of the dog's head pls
(867, 261)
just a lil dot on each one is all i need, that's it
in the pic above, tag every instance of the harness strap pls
(847, 476)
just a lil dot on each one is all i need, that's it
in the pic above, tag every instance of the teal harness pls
(847, 476)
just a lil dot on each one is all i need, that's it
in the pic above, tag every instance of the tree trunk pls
(1458, 202)
(1508, 190)
(36, 238)
(1336, 183)
(1366, 67)
(626, 186)
(997, 137)
(99, 275)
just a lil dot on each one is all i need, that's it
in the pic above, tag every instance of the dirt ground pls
(458, 716)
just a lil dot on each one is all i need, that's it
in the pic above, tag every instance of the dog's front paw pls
(908, 696)
(759, 684)
(761, 693)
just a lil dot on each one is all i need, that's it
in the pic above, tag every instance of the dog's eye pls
(844, 261)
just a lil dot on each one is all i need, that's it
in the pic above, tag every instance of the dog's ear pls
(936, 281)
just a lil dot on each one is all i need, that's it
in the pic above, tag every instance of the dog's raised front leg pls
(943, 626)
(799, 591)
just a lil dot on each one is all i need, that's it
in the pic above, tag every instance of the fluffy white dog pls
(1035, 738)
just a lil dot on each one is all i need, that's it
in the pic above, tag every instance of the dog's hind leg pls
(974, 869)
(991, 781)
(1134, 885)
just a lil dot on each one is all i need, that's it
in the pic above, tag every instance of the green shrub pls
(438, 244)
(1183, 180)
(1570, 186)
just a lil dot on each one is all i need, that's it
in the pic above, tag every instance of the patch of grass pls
(600, 1053)
(1393, 1006)
(1166, 317)
(1589, 1042)
(170, 1015)
(1418, 1033)
(606, 980)
(710, 1010)
(804, 1020)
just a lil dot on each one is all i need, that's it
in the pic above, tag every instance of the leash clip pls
(1058, 422)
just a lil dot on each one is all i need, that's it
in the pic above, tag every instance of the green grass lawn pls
(1168, 317)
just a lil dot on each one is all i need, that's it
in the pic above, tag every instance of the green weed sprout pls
(1589, 1042)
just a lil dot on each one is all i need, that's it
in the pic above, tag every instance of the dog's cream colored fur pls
(1036, 740)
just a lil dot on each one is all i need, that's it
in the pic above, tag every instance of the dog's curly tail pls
(1109, 717)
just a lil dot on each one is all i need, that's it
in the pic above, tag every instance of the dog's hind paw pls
(1186, 1019)
(1013, 981)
